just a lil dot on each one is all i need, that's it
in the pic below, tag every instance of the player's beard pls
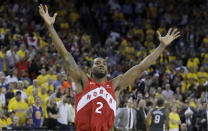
(99, 74)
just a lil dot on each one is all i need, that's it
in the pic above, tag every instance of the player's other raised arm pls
(72, 68)
(130, 76)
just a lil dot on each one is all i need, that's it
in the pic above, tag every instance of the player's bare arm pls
(130, 76)
(72, 68)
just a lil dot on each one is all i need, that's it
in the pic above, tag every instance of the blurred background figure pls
(141, 115)
(53, 113)
(126, 118)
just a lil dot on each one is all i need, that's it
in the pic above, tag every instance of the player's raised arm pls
(130, 76)
(72, 68)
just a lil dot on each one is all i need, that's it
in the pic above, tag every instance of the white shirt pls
(63, 111)
(167, 94)
(71, 114)
(2, 99)
(12, 79)
(131, 123)
(10, 58)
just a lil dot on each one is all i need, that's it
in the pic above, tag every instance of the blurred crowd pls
(35, 91)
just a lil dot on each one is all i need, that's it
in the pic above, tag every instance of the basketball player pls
(159, 116)
(95, 103)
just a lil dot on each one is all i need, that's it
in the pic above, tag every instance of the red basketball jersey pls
(95, 107)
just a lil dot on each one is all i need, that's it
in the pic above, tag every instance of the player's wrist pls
(49, 26)
(162, 45)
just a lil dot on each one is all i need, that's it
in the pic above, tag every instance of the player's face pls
(99, 68)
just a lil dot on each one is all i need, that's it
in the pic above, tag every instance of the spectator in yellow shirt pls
(31, 98)
(19, 107)
(192, 76)
(193, 62)
(3, 120)
(49, 85)
(31, 87)
(52, 73)
(202, 75)
(174, 119)
(3, 63)
(42, 78)
(22, 51)
(44, 97)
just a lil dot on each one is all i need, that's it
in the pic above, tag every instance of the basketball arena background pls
(123, 32)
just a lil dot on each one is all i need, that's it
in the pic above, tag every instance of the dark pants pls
(69, 127)
(63, 126)
(72, 127)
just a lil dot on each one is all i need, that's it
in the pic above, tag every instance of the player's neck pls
(99, 80)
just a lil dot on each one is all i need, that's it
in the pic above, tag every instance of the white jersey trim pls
(93, 94)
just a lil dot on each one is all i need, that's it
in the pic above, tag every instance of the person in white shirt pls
(64, 113)
(168, 93)
(12, 77)
(2, 98)
(20, 87)
(71, 114)
(12, 56)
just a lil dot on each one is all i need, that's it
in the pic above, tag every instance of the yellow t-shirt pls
(192, 76)
(171, 58)
(17, 36)
(3, 123)
(3, 31)
(203, 76)
(42, 79)
(21, 53)
(158, 95)
(31, 100)
(9, 121)
(2, 55)
(53, 77)
(44, 98)
(48, 87)
(175, 117)
(30, 90)
(194, 63)
(19, 108)
(193, 104)
(11, 101)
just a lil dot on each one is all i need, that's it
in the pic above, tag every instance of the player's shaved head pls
(99, 59)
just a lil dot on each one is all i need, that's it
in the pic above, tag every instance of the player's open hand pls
(169, 37)
(43, 10)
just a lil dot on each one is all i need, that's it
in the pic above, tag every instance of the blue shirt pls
(37, 113)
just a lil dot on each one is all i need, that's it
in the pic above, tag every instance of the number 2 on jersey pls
(99, 107)
(157, 119)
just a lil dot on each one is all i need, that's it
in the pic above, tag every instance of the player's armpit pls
(76, 74)
(122, 81)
